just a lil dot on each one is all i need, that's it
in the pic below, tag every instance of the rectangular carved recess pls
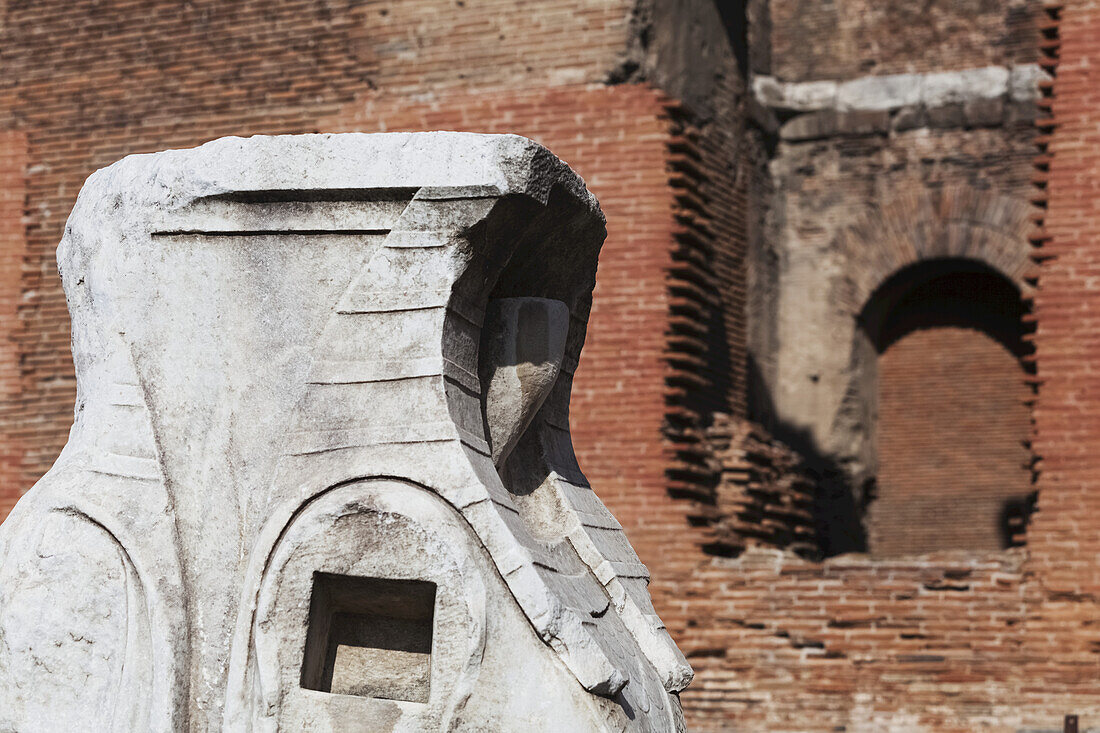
(370, 637)
(313, 212)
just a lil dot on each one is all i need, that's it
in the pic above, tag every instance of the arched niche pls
(950, 223)
(951, 409)
(914, 237)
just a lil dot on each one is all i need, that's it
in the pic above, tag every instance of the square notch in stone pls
(370, 637)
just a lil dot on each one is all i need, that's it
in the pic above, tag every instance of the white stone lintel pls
(894, 91)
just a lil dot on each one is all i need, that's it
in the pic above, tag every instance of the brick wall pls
(846, 38)
(764, 495)
(948, 641)
(13, 172)
(952, 433)
(927, 644)
(1064, 539)
(952, 401)
(1067, 305)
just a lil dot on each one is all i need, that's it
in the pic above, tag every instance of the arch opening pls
(951, 410)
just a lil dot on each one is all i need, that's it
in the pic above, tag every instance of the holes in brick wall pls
(370, 637)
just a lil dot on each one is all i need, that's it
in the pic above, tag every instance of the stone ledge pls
(985, 97)
(894, 91)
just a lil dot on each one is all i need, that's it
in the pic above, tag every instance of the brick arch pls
(950, 222)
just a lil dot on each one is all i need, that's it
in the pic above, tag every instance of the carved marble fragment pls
(320, 476)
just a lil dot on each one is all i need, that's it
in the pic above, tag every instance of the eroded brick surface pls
(829, 40)
(13, 171)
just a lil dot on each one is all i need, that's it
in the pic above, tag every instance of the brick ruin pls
(838, 382)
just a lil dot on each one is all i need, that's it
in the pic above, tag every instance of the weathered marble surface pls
(320, 476)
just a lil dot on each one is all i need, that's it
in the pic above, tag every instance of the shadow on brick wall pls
(839, 507)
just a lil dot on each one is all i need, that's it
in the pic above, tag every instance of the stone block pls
(909, 118)
(863, 122)
(955, 87)
(321, 474)
(879, 92)
(984, 112)
(811, 126)
(946, 116)
(1023, 111)
(1023, 82)
(801, 97)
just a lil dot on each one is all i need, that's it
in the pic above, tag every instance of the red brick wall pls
(764, 496)
(829, 40)
(1064, 539)
(1067, 306)
(953, 422)
(933, 644)
(13, 190)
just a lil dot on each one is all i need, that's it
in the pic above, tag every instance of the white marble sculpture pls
(321, 475)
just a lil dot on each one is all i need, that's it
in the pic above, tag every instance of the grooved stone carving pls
(321, 476)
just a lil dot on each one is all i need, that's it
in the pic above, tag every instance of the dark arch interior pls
(735, 18)
(945, 292)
